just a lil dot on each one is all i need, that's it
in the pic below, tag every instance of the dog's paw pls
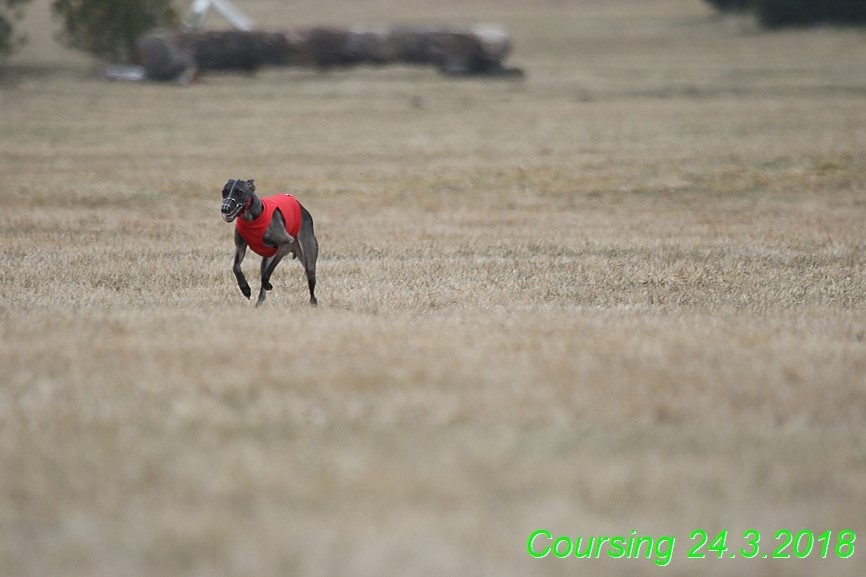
(247, 291)
(267, 286)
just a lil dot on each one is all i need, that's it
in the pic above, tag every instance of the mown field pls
(627, 292)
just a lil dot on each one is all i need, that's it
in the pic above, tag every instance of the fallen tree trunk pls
(475, 51)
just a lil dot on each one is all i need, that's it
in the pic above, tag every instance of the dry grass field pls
(627, 292)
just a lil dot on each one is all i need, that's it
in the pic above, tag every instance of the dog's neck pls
(254, 210)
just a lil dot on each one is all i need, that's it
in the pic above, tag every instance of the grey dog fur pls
(240, 201)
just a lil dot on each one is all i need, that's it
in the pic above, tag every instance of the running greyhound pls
(272, 227)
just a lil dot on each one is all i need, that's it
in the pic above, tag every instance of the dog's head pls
(237, 195)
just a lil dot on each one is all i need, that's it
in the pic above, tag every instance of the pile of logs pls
(474, 51)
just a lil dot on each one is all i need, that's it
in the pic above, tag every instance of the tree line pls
(109, 29)
(779, 13)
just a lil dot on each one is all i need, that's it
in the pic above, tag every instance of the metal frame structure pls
(199, 9)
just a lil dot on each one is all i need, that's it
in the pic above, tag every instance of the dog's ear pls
(252, 185)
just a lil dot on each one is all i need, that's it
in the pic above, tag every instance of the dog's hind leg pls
(309, 251)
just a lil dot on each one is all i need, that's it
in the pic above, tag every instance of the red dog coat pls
(252, 231)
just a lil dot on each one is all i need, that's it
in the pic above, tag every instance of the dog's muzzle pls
(230, 210)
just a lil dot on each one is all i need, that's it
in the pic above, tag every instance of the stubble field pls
(627, 292)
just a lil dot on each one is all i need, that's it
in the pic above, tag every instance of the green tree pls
(10, 12)
(108, 29)
(775, 13)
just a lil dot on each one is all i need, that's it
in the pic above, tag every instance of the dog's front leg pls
(240, 253)
(268, 266)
